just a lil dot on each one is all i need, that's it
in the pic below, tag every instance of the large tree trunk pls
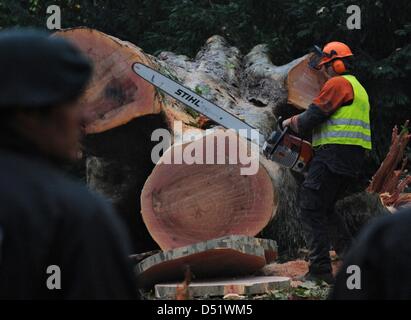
(182, 203)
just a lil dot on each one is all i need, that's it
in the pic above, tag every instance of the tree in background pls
(290, 28)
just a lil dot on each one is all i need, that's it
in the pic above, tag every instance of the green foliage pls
(382, 46)
(305, 291)
(311, 290)
(202, 90)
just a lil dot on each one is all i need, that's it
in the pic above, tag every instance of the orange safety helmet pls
(333, 53)
(334, 50)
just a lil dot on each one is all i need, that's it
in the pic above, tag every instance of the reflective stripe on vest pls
(346, 134)
(349, 124)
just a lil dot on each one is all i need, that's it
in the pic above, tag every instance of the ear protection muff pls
(339, 66)
(318, 55)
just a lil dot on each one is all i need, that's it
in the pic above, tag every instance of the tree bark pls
(391, 179)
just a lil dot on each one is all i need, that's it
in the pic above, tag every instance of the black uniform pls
(46, 219)
(331, 171)
(383, 255)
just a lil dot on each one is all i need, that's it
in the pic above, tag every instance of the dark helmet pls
(37, 70)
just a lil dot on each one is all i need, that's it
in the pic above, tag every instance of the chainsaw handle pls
(280, 124)
(280, 138)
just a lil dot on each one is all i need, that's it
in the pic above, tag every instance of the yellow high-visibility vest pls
(349, 124)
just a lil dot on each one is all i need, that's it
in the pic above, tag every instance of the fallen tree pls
(121, 110)
(195, 202)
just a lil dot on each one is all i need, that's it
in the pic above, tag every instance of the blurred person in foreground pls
(45, 218)
(382, 262)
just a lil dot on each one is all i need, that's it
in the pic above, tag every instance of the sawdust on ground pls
(294, 269)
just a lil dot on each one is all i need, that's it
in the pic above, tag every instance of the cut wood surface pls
(184, 203)
(223, 257)
(304, 84)
(115, 95)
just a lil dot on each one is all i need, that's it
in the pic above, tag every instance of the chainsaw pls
(287, 150)
(281, 147)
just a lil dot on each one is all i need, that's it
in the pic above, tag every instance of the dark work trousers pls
(322, 226)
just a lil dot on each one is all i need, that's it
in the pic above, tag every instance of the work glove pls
(286, 123)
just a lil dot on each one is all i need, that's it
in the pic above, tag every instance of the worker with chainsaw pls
(338, 120)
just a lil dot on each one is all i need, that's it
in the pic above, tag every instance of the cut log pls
(115, 94)
(121, 110)
(183, 203)
(304, 84)
(224, 257)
